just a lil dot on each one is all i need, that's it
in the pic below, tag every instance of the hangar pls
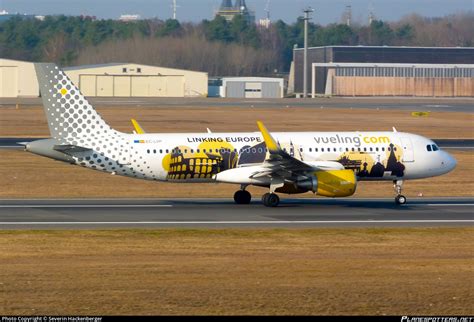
(18, 79)
(386, 71)
(252, 87)
(134, 80)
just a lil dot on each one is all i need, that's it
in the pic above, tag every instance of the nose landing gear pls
(242, 197)
(399, 199)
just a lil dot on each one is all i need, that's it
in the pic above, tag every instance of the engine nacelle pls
(336, 183)
(300, 186)
(310, 184)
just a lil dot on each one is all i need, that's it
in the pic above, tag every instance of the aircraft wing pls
(280, 164)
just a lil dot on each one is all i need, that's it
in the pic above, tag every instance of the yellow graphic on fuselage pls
(184, 163)
(369, 164)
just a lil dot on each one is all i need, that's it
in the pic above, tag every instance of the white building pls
(252, 87)
(18, 79)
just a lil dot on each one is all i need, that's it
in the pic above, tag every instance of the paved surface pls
(403, 103)
(200, 213)
(457, 144)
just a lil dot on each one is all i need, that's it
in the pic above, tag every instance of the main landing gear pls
(243, 197)
(399, 199)
(270, 199)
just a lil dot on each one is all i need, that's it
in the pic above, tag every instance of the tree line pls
(216, 46)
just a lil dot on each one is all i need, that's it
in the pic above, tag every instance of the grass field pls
(32, 122)
(316, 271)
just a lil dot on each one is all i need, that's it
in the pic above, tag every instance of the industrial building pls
(18, 79)
(134, 80)
(386, 71)
(108, 80)
(247, 87)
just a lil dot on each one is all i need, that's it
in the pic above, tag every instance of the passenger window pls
(310, 150)
(365, 149)
(148, 151)
(383, 149)
(322, 149)
(428, 147)
(154, 151)
(371, 149)
(334, 149)
(301, 149)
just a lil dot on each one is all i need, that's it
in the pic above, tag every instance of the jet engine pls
(336, 183)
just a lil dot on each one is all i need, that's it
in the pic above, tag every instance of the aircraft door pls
(408, 153)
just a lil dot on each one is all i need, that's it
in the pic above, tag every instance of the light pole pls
(306, 11)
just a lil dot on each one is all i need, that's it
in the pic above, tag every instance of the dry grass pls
(25, 175)
(317, 271)
(32, 122)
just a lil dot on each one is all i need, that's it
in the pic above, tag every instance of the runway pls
(223, 213)
(453, 144)
(425, 104)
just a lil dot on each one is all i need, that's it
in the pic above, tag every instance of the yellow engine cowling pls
(336, 183)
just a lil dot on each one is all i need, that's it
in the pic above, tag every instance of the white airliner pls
(326, 163)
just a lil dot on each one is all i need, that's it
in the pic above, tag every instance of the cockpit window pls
(435, 147)
(428, 147)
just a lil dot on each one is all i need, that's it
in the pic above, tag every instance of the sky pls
(326, 11)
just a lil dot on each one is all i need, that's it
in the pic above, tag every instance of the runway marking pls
(83, 206)
(276, 222)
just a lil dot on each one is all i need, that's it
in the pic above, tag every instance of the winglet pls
(270, 142)
(138, 128)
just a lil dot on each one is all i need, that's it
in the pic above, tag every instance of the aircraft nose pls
(449, 161)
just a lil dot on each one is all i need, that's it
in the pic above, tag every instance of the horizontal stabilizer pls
(70, 149)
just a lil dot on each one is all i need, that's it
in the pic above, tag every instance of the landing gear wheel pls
(242, 197)
(270, 199)
(400, 200)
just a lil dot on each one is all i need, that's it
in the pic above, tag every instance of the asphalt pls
(223, 213)
(425, 104)
(456, 144)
